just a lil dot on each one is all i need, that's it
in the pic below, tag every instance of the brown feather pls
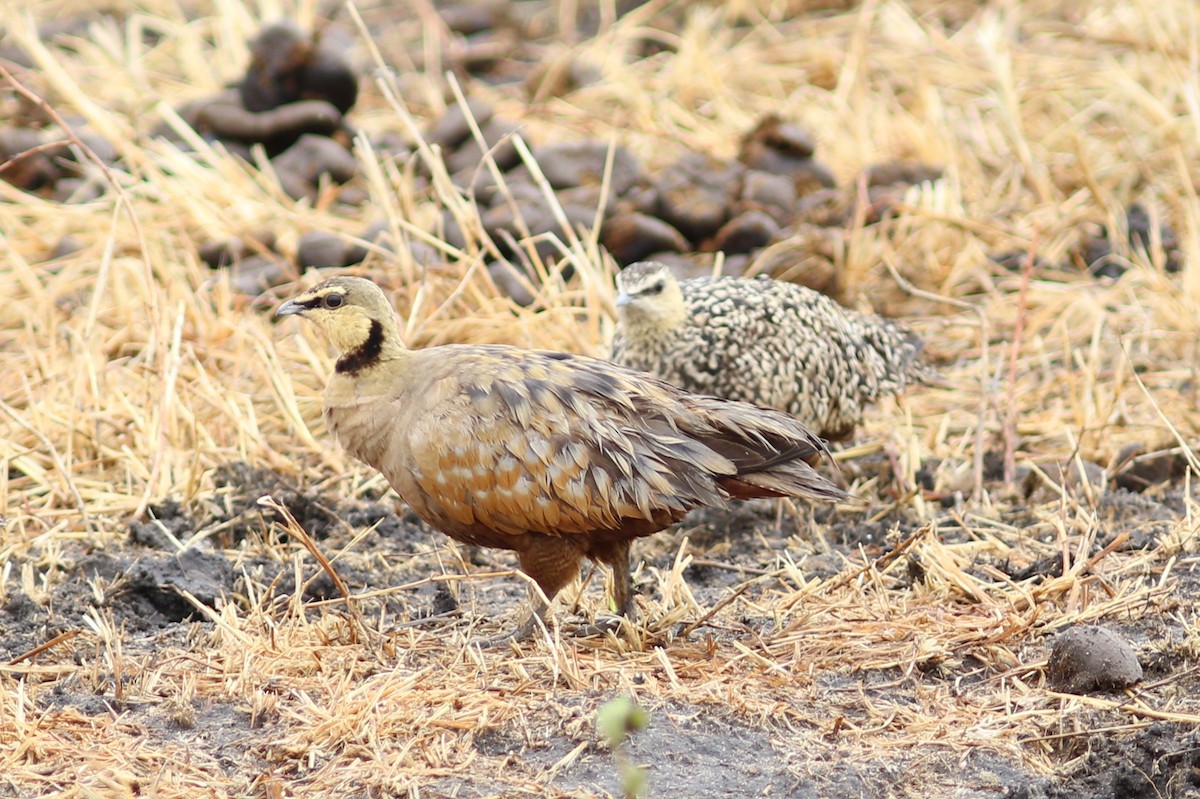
(552, 455)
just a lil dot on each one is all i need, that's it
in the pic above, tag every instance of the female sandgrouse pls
(766, 342)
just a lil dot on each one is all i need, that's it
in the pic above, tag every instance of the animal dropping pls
(766, 342)
(555, 456)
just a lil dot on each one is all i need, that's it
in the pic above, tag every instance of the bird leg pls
(552, 563)
(616, 556)
(622, 577)
(530, 621)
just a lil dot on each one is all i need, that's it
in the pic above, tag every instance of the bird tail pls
(901, 351)
(771, 451)
(797, 479)
(917, 370)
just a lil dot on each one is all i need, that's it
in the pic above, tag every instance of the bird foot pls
(521, 632)
(524, 631)
(609, 624)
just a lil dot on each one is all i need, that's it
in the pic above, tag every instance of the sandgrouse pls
(555, 456)
(767, 342)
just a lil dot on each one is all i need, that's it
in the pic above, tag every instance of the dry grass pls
(132, 372)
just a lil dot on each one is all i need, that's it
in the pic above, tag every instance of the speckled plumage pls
(555, 456)
(766, 342)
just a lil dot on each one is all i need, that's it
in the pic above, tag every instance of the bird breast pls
(489, 460)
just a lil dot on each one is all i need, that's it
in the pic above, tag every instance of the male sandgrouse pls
(556, 456)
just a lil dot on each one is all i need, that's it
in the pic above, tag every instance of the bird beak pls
(290, 307)
(623, 299)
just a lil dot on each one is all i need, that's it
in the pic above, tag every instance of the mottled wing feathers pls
(777, 345)
(491, 444)
(532, 443)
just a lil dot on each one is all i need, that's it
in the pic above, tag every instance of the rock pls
(301, 166)
(320, 249)
(1137, 469)
(589, 197)
(27, 168)
(810, 176)
(631, 236)
(378, 233)
(582, 163)
(216, 253)
(810, 257)
(278, 56)
(881, 201)
(785, 148)
(510, 282)
(67, 246)
(100, 147)
(775, 194)
(1093, 478)
(452, 129)
(489, 54)
(748, 231)
(1139, 231)
(329, 75)
(480, 184)
(161, 579)
(1087, 658)
(383, 241)
(505, 216)
(474, 17)
(391, 146)
(906, 173)
(498, 135)
(79, 189)
(1014, 261)
(1100, 259)
(773, 137)
(1104, 259)
(641, 198)
(288, 65)
(451, 231)
(694, 195)
(353, 195)
(254, 275)
(423, 254)
(559, 75)
(505, 220)
(826, 207)
(276, 129)
(735, 265)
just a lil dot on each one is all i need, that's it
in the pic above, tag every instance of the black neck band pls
(367, 353)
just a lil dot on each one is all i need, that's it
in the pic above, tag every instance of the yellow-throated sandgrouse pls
(766, 342)
(556, 456)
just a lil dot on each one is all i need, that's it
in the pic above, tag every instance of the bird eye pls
(657, 288)
(334, 300)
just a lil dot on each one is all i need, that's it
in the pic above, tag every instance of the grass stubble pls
(133, 371)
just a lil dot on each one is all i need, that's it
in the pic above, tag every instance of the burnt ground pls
(242, 555)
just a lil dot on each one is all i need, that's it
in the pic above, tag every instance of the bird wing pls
(513, 441)
(772, 451)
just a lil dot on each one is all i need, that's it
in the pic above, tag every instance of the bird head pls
(648, 294)
(350, 311)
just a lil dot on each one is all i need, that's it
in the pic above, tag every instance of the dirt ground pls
(168, 492)
(810, 740)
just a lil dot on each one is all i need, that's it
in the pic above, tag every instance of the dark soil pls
(158, 594)
(1162, 760)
